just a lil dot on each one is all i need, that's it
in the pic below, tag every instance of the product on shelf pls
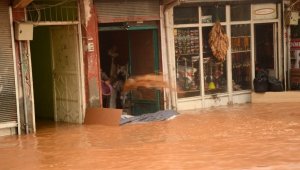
(186, 41)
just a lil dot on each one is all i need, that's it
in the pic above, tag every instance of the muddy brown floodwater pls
(251, 136)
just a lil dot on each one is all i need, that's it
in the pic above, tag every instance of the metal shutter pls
(234, 1)
(8, 106)
(109, 11)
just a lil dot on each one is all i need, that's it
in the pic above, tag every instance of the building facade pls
(133, 29)
(54, 57)
(52, 54)
(56, 70)
(9, 119)
(255, 41)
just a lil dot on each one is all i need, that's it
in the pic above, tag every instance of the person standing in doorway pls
(106, 89)
(113, 54)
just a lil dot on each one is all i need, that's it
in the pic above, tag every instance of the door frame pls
(80, 65)
(79, 71)
(276, 68)
(127, 28)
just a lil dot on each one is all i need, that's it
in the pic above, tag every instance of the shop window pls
(186, 15)
(240, 13)
(215, 72)
(295, 57)
(295, 31)
(241, 57)
(295, 52)
(187, 61)
(212, 14)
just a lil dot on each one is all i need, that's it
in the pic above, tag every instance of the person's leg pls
(112, 100)
(106, 100)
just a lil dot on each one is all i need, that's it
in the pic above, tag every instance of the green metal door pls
(143, 59)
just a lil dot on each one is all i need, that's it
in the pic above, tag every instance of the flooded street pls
(251, 136)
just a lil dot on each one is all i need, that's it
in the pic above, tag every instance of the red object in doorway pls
(106, 88)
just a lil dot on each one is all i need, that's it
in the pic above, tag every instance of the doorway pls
(56, 74)
(131, 51)
(265, 47)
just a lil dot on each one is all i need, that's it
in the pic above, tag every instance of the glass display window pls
(215, 75)
(241, 57)
(211, 14)
(186, 41)
(187, 61)
(204, 78)
(240, 12)
(186, 15)
(295, 31)
(188, 76)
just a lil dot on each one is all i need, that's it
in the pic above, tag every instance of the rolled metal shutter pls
(234, 1)
(8, 105)
(109, 11)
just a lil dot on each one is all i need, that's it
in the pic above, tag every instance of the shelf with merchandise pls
(241, 71)
(188, 75)
(186, 54)
(215, 80)
(242, 51)
(242, 36)
(186, 41)
(240, 43)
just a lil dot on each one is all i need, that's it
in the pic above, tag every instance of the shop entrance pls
(128, 52)
(55, 70)
(265, 47)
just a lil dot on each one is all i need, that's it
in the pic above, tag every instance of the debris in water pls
(149, 117)
(146, 81)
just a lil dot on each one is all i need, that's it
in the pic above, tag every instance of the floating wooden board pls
(103, 116)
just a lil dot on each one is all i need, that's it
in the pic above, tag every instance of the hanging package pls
(218, 41)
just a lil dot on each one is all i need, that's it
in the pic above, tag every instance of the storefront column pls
(24, 77)
(167, 13)
(91, 53)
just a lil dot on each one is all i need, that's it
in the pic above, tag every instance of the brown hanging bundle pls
(218, 41)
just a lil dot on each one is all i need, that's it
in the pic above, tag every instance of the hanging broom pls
(218, 42)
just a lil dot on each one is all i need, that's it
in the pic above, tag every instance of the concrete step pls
(276, 97)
